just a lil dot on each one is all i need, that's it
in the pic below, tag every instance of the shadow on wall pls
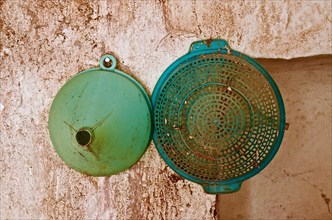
(230, 204)
(297, 183)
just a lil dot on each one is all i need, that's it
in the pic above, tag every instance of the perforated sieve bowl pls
(219, 117)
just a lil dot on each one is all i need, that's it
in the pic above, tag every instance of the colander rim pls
(167, 74)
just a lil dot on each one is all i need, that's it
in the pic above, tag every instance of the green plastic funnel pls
(100, 120)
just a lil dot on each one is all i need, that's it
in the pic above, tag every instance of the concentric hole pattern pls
(216, 117)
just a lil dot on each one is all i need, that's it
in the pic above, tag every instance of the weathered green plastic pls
(100, 120)
(219, 117)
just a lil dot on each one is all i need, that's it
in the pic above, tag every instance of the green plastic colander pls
(219, 117)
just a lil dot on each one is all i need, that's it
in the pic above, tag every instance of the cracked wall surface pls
(45, 43)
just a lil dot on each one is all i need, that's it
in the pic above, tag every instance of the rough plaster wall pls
(297, 183)
(44, 43)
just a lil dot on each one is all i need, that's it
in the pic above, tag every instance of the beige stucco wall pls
(44, 43)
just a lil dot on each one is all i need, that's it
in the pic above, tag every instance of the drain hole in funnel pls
(83, 137)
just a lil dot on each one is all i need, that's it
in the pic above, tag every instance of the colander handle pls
(222, 188)
(209, 44)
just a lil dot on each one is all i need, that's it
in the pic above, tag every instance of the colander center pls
(213, 115)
